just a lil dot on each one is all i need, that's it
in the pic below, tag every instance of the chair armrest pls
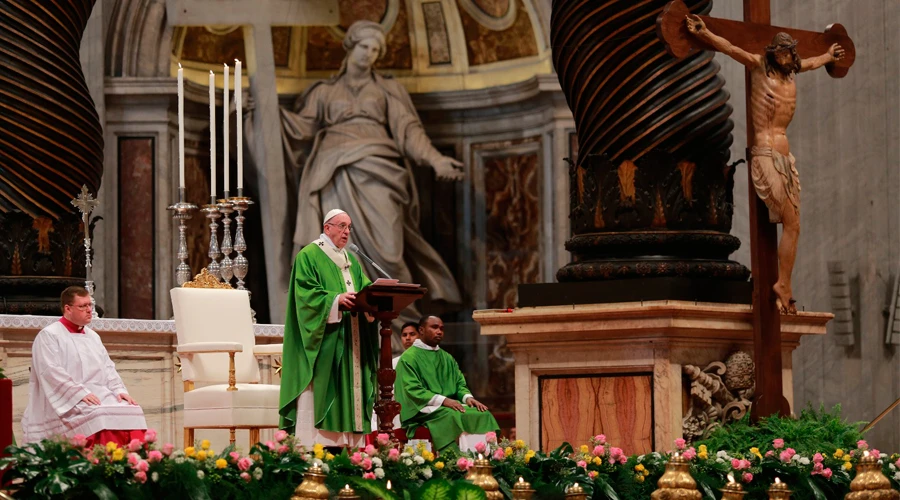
(268, 349)
(209, 347)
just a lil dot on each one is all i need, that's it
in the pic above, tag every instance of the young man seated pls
(74, 387)
(432, 392)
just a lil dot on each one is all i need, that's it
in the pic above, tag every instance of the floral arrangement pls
(68, 469)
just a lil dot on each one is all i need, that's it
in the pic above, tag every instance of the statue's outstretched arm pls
(835, 53)
(698, 28)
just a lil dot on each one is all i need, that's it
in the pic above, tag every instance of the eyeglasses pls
(86, 307)
(342, 227)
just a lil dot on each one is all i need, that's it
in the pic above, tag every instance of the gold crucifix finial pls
(85, 201)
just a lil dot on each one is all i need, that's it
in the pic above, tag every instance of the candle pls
(389, 484)
(212, 135)
(180, 126)
(226, 103)
(238, 98)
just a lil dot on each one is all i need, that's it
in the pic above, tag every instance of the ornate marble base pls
(617, 368)
(144, 353)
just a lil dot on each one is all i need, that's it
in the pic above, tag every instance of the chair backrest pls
(215, 315)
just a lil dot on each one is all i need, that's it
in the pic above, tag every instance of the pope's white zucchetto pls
(332, 214)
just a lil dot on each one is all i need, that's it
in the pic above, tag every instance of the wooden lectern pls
(384, 299)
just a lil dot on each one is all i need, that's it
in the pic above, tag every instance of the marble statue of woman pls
(365, 134)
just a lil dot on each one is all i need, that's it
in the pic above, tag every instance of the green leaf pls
(436, 489)
(54, 484)
(374, 488)
(464, 490)
(103, 492)
(815, 489)
(606, 488)
(707, 490)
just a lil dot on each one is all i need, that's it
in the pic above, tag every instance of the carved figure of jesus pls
(773, 99)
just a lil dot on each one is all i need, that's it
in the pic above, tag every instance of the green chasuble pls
(422, 374)
(322, 353)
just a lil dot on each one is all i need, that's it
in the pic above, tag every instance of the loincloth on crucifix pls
(775, 179)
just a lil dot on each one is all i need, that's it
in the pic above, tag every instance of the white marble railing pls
(25, 322)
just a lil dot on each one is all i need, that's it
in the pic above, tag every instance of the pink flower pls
(369, 475)
(280, 435)
(142, 466)
(817, 469)
(499, 454)
(271, 446)
(245, 476)
(464, 463)
(818, 458)
(154, 456)
(394, 454)
(592, 474)
(745, 464)
(582, 464)
(778, 444)
(897, 463)
(356, 458)
(95, 461)
(135, 445)
(875, 453)
(150, 436)
(383, 439)
(491, 437)
(690, 453)
(284, 449)
(79, 441)
(168, 448)
(245, 463)
(826, 473)
(770, 453)
(599, 450)
(747, 477)
(623, 459)
(615, 453)
(235, 456)
(367, 463)
(600, 438)
(480, 447)
(787, 454)
(133, 459)
(370, 450)
(140, 477)
(735, 464)
(679, 444)
(862, 444)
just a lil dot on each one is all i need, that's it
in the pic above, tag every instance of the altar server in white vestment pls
(74, 388)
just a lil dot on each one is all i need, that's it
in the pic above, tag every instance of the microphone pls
(355, 249)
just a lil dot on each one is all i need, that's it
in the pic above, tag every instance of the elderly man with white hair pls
(328, 376)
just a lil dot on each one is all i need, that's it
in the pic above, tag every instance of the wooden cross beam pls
(752, 36)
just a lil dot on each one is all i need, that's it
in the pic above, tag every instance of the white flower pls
(720, 460)
(722, 454)
(893, 468)
(426, 473)
(201, 474)
(897, 476)
(154, 477)
(178, 453)
(325, 468)
(640, 458)
(307, 457)
(317, 462)
(377, 462)
(407, 461)
(379, 473)
(404, 455)
(419, 460)
(179, 460)
(804, 460)
(257, 473)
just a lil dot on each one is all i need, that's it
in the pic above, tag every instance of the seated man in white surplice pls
(74, 387)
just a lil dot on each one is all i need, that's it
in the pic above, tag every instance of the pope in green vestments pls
(328, 375)
(432, 391)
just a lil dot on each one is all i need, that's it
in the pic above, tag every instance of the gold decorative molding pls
(206, 280)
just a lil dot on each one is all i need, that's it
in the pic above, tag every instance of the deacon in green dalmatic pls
(328, 375)
(432, 392)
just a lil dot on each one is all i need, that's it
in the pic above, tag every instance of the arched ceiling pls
(433, 45)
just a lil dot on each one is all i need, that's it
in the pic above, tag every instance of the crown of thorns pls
(781, 41)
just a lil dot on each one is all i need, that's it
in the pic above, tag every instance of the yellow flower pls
(320, 454)
(439, 465)
(111, 447)
(409, 450)
(520, 444)
(646, 472)
(318, 447)
(204, 444)
(639, 467)
(189, 451)
(508, 451)
(210, 453)
(848, 466)
(329, 456)
(639, 478)
(847, 458)
(584, 448)
(118, 454)
(529, 455)
(201, 455)
(427, 455)
(420, 447)
(756, 452)
(702, 452)
(597, 461)
(702, 448)
(221, 463)
(838, 453)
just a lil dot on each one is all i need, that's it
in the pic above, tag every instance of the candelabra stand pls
(85, 203)
(240, 266)
(226, 208)
(182, 211)
(212, 213)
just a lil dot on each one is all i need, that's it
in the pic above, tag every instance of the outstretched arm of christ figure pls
(697, 27)
(835, 53)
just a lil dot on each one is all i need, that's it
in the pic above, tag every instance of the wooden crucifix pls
(772, 57)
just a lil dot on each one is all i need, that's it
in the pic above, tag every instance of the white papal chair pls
(218, 348)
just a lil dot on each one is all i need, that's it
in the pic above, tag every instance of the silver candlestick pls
(225, 267)
(241, 265)
(212, 213)
(85, 203)
(182, 211)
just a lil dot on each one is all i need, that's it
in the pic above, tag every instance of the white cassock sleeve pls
(63, 393)
(334, 314)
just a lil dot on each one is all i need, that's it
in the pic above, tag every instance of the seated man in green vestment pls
(432, 391)
(328, 375)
